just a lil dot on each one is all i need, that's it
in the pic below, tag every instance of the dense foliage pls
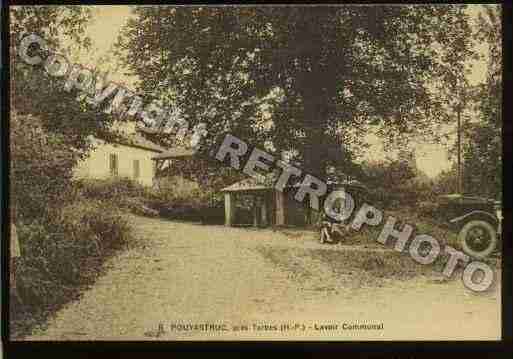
(64, 237)
(396, 184)
(62, 253)
(483, 150)
(481, 128)
(305, 79)
(34, 92)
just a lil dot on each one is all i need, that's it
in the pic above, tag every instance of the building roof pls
(138, 141)
(175, 152)
(170, 153)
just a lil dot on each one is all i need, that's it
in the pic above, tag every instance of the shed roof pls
(248, 184)
(252, 184)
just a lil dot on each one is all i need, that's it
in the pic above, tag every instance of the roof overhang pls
(174, 153)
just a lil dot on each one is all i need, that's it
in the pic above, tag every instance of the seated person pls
(330, 228)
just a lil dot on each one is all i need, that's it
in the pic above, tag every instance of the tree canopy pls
(308, 79)
(483, 150)
(34, 92)
(49, 127)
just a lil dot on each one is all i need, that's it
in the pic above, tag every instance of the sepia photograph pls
(254, 172)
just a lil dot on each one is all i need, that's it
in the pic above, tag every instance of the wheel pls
(478, 238)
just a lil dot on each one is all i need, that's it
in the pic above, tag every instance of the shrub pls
(123, 192)
(100, 220)
(193, 204)
(63, 252)
(394, 185)
(110, 188)
(139, 206)
(198, 204)
(64, 236)
(41, 167)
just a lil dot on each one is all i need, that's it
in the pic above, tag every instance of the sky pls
(431, 158)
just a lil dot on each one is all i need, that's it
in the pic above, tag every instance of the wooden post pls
(280, 208)
(229, 209)
(255, 211)
(263, 211)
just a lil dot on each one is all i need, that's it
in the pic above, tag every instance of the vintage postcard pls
(325, 173)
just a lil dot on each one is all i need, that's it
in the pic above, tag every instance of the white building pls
(130, 157)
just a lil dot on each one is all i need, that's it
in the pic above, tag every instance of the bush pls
(193, 204)
(63, 252)
(111, 188)
(202, 205)
(41, 167)
(123, 192)
(394, 185)
(64, 236)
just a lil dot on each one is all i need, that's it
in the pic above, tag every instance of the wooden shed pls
(277, 208)
(270, 207)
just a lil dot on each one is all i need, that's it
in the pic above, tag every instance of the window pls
(113, 164)
(137, 169)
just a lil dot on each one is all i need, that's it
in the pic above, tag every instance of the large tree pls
(310, 79)
(49, 127)
(35, 93)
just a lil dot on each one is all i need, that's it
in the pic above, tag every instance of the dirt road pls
(246, 283)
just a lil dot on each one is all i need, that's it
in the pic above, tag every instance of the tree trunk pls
(314, 156)
(316, 86)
